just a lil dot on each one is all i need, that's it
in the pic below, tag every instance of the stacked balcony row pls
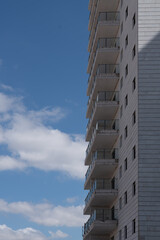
(103, 124)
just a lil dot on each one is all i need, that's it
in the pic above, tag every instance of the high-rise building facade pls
(123, 111)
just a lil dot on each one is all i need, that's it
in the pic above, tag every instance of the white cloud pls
(7, 233)
(71, 200)
(58, 234)
(6, 87)
(46, 214)
(34, 144)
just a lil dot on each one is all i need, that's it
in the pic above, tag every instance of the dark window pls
(120, 235)
(133, 226)
(120, 203)
(126, 13)
(133, 52)
(126, 41)
(133, 20)
(126, 100)
(112, 238)
(133, 84)
(125, 232)
(125, 198)
(125, 164)
(134, 189)
(134, 118)
(120, 172)
(126, 70)
(126, 132)
(134, 152)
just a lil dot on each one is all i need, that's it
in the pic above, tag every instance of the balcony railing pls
(106, 96)
(103, 125)
(100, 215)
(108, 43)
(102, 154)
(109, 16)
(108, 69)
(101, 184)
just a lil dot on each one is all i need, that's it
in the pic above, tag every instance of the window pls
(121, 111)
(134, 189)
(126, 13)
(121, 82)
(134, 118)
(133, 226)
(120, 203)
(121, 54)
(134, 52)
(133, 152)
(126, 41)
(126, 70)
(120, 172)
(133, 84)
(126, 100)
(125, 198)
(112, 238)
(125, 164)
(121, 27)
(133, 20)
(120, 141)
(125, 232)
(120, 235)
(126, 132)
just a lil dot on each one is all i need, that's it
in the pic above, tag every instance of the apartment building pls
(123, 111)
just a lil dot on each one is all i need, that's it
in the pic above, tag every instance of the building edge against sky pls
(123, 131)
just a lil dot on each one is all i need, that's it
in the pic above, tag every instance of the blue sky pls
(43, 62)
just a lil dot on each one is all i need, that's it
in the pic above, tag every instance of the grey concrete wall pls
(149, 119)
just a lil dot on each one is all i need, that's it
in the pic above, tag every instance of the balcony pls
(105, 51)
(104, 135)
(103, 71)
(103, 162)
(101, 222)
(103, 192)
(105, 25)
(105, 107)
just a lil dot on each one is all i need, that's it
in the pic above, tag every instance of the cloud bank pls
(46, 214)
(32, 142)
(7, 233)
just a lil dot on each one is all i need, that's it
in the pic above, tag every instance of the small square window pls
(133, 20)
(120, 203)
(126, 132)
(125, 198)
(133, 226)
(121, 111)
(125, 164)
(120, 172)
(134, 52)
(134, 118)
(120, 141)
(126, 13)
(120, 235)
(125, 232)
(121, 27)
(133, 152)
(126, 41)
(126, 100)
(126, 70)
(133, 84)
(121, 82)
(134, 189)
